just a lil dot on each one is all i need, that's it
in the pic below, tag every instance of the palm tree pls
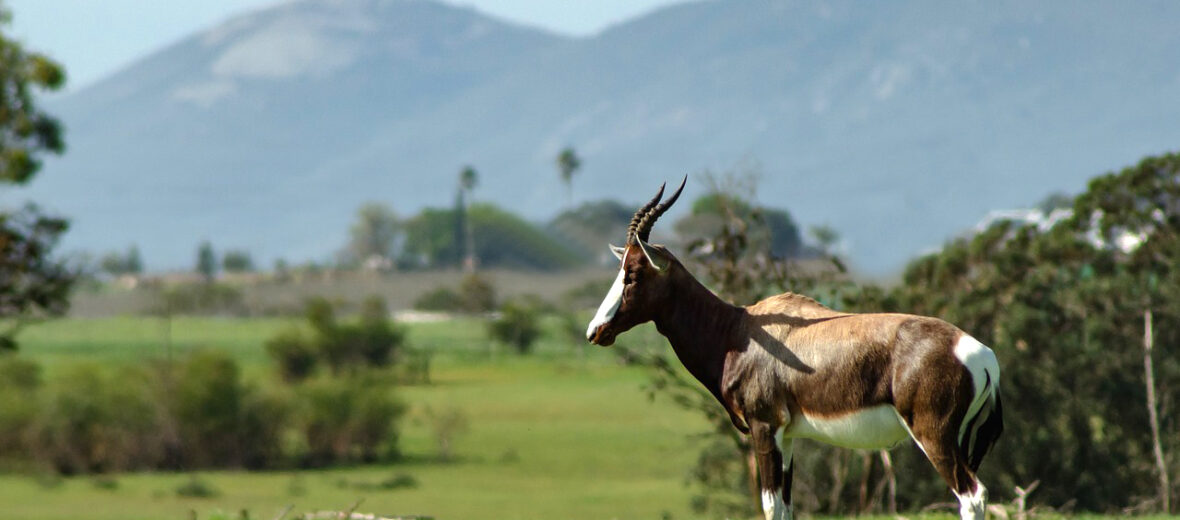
(568, 163)
(468, 179)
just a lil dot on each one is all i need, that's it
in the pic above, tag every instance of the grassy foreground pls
(554, 435)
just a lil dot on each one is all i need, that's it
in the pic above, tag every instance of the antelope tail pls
(984, 422)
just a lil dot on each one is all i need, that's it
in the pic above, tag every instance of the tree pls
(500, 238)
(825, 236)
(31, 282)
(1055, 201)
(568, 164)
(1069, 300)
(373, 341)
(118, 264)
(237, 261)
(133, 261)
(592, 225)
(375, 236)
(518, 325)
(468, 179)
(206, 261)
(711, 211)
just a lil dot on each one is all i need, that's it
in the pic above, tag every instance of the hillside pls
(898, 124)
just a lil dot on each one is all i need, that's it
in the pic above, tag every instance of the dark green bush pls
(373, 341)
(19, 374)
(105, 482)
(392, 482)
(349, 420)
(399, 481)
(377, 338)
(477, 294)
(93, 420)
(196, 487)
(223, 422)
(19, 382)
(296, 356)
(518, 325)
(442, 299)
(207, 403)
(264, 419)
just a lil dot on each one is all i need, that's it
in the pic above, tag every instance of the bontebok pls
(789, 367)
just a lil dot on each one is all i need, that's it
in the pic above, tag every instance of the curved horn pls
(642, 212)
(649, 220)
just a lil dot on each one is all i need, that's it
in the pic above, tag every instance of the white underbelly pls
(871, 428)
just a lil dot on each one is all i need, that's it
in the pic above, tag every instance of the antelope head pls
(644, 280)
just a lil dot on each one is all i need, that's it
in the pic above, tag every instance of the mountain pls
(899, 124)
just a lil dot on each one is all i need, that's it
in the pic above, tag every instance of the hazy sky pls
(93, 38)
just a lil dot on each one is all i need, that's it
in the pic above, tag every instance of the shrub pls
(348, 420)
(413, 366)
(237, 261)
(399, 481)
(264, 419)
(222, 422)
(518, 325)
(477, 295)
(392, 482)
(333, 344)
(373, 341)
(19, 374)
(105, 482)
(442, 299)
(207, 405)
(203, 298)
(19, 382)
(94, 421)
(294, 354)
(377, 337)
(196, 487)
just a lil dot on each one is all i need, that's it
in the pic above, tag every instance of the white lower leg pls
(773, 507)
(973, 505)
(787, 447)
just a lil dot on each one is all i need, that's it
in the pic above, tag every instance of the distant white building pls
(1124, 240)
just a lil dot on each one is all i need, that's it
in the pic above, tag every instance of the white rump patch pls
(981, 363)
(871, 428)
(609, 305)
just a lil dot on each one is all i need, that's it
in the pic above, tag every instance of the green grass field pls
(553, 435)
(562, 434)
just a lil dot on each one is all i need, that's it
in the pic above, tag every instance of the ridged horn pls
(642, 212)
(649, 220)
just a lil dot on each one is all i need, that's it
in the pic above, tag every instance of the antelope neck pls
(702, 329)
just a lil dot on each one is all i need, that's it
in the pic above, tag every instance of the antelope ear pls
(653, 257)
(618, 251)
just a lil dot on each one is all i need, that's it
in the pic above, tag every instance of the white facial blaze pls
(610, 304)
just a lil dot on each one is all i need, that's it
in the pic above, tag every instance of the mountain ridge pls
(898, 125)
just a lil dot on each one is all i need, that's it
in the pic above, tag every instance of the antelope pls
(788, 367)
